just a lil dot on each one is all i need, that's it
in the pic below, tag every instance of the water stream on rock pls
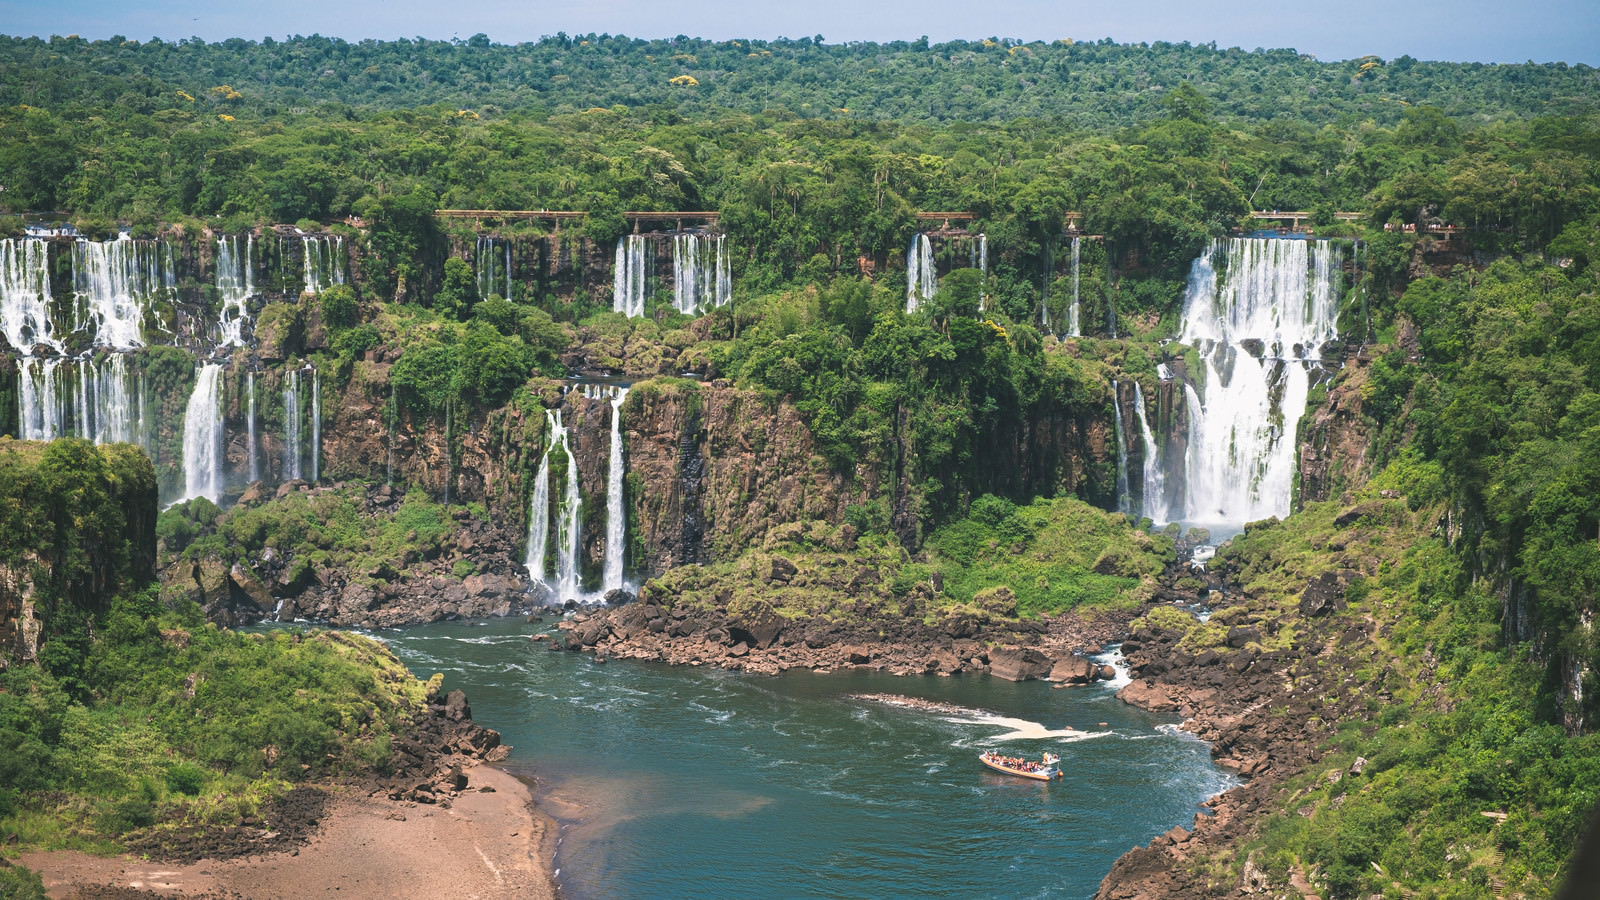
(700, 277)
(616, 513)
(691, 782)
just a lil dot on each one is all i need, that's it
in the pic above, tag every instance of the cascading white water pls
(1074, 326)
(1124, 494)
(922, 276)
(106, 409)
(250, 426)
(291, 424)
(115, 282)
(700, 277)
(316, 425)
(629, 280)
(616, 513)
(493, 267)
(322, 256)
(202, 437)
(1155, 478)
(236, 282)
(25, 294)
(1258, 329)
(40, 414)
(539, 513)
(571, 506)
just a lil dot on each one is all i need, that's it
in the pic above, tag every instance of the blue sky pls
(1453, 30)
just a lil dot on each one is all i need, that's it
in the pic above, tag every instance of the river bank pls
(488, 842)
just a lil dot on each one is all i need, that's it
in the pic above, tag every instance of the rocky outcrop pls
(1336, 439)
(755, 638)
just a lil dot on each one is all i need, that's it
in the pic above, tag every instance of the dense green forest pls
(1477, 364)
(1094, 86)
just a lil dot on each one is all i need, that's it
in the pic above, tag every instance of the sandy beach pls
(487, 844)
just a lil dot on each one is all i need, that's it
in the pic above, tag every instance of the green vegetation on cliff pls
(141, 719)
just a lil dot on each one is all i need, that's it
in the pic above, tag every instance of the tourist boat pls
(1043, 770)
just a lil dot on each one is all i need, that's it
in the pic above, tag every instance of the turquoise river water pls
(695, 782)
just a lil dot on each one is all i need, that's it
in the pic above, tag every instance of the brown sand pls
(486, 845)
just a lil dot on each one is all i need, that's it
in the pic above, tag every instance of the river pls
(695, 782)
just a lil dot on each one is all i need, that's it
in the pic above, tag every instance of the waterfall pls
(539, 514)
(571, 505)
(616, 512)
(316, 424)
(93, 398)
(25, 294)
(291, 424)
(628, 279)
(700, 277)
(202, 437)
(250, 426)
(1074, 327)
(1155, 480)
(40, 414)
(493, 269)
(1124, 497)
(1258, 327)
(115, 281)
(983, 270)
(322, 255)
(922, 276)
(236, 282)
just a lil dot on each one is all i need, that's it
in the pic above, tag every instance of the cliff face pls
(1336, 440)
(77, 526)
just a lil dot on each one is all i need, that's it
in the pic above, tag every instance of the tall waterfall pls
(1155, 478)
(492, 264)
(1124, 494)
(1074, 326)
(42, 418)
(115, 282)
(202, 436)
(539, 513)
(316, 425)
(93, 397)
(25, 294)
(291, 425)
(236, 282)
(629, 280)
(253, 444)
(616, 512)
(1259, 328)
(983, 270)
(922, 276)
(699, 272)
(571, 507)
(324, 256)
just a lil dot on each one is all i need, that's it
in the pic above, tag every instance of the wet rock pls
(1018, 663)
